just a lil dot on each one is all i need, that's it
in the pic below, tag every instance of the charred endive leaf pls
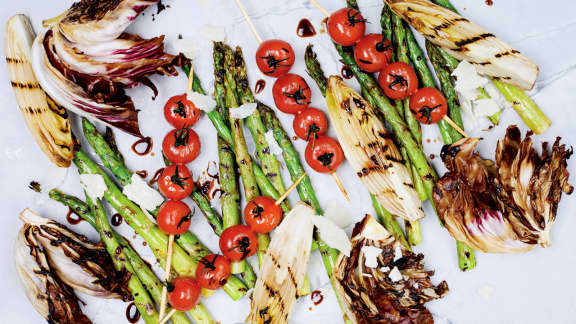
(85, 61)
(465, 40)
(369, 148)
(503, 207)
(75, 261)
(53, 299)
(48, 122)
(393, 289)
(283, 270)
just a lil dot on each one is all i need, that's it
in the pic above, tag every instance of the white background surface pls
(533, 288)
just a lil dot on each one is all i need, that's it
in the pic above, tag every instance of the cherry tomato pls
(262, 214)
(176, 182)
(184, 293)
(180, 112)
(238, 242)
(373, 52)
(428, 105)
(346, 26)
(310, 123)
(291, 93)
(213, 271)
(174, 217)
(275, 57)
(181, 145)
(324, 154)
(398, 80)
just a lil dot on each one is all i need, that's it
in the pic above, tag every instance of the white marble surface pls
(533, 288)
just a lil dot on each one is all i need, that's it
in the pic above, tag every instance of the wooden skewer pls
(319, 6)
(249, 21)
(167, 268)
(289, 190)
(190, 78)
(165, 319)
(453, 124)
(340, 185)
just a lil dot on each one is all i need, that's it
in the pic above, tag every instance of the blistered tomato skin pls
(398, 80)
(174, 217)
(346, 26)
(324, 154)
(238, 242)
(275, 57)
(428, 105)
(176, 182)
(310, 123)
(184, 293)
(181, 112)
(373, 52)
(181, 145)
(291, 93)
(262, 214)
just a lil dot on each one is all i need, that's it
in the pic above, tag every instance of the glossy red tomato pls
(428, 105)
(275, 57)
(174, 217)
(184, 293)
(324, 154)
(291, 93)
(373, 52)
(181, 145)
(213, 271)
(346, 26)
(180, 112)
(262, 214)
(310, 123)
(238, 242)
(398, 80)
(176, 182)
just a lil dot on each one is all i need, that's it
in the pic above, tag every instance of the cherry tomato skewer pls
(213, 271)
(324, 154)
(310, 123)
(429, 106)
(291, 93)
(238, 242)
(398, 80)
(183, 297)
(373, 52)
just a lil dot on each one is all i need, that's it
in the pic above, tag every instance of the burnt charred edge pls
(482, 63)
(11, 60)
(511, 52)
(389, 157)
(471, 40)
(368, 170)
(27, 85)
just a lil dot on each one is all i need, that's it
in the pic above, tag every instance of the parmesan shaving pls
(140, 192)
(187, 47)
(272, 144)
(201, 101)
(371, 254)
(397, 252)
(395, 275)
(243, 111)
(338, 213)
(94, 185)
(332, 235)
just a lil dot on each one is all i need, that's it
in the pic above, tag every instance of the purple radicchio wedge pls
(503, 207)
(85, 61)
(389, 286)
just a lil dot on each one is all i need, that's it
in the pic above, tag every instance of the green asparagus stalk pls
(183, 263)
(140, 268)
(524, 106)
(142, 299)
(443, 72)
(389, 222)
(270, 164)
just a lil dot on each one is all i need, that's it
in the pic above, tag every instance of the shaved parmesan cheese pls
(94, 185)
(385, 269)
(332, 235)
(187, 47)
(272, 144)
(213, 33)
(486, 291)
(416, 286)
(467, 78)
(243, 111)
(338, 213)
(371, 254)
(395, 275)
(485, 107)
(367, 275)
(140, 192)
(397, 252)
(201, 101)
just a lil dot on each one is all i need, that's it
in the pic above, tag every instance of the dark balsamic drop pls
(143, 141)
(116, 219)
(305, 28)
(132, 313)
(259, 87)
(72, 217)
(346, 72)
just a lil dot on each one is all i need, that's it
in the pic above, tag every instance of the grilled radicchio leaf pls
(85, 61)
(395, 290)
(503, 207)
(67, 259)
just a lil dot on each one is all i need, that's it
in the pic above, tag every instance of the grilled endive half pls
(369, 148)
(47, 121)
(467, 41)
(284, 268)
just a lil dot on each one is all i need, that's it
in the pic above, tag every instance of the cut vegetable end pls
(238, 267)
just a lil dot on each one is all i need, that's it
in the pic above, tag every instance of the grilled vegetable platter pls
(350, 161)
